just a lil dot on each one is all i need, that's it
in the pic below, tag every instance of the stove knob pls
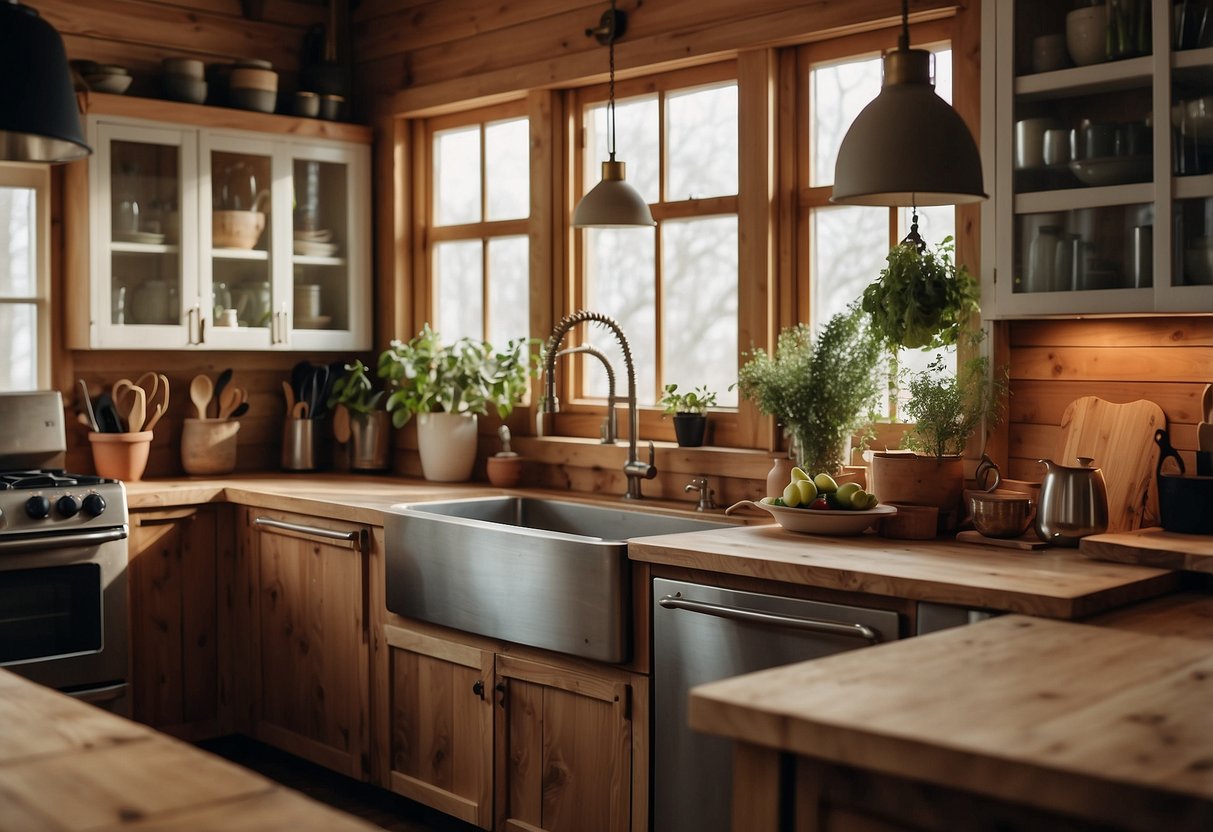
(38, 508)
(67, 505)
(94, 504)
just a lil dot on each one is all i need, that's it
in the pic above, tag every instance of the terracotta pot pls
(504, 471)
(121, 456)
(921, 480)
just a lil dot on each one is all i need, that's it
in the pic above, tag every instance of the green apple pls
(846, 491)
(791, 495)
(806, 490)
(799, 474)
(825, 484)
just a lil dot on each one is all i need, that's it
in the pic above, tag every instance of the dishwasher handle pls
(353, 537)
(813, 625)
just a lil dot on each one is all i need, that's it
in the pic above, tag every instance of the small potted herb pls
(689, 410)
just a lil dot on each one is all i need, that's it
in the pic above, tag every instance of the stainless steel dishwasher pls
(704, 633)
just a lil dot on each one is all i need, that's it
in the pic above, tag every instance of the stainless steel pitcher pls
(1073, 502)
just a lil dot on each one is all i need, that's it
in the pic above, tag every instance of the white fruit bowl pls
(820, 521)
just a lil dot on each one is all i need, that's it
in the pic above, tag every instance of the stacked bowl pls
(182, 79)
(103, 77)
(253, 85)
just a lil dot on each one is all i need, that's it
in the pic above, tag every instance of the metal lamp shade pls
(39, 121)
(612, 202)
(908, 147)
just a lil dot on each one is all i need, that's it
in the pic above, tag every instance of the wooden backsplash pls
(1167, 360)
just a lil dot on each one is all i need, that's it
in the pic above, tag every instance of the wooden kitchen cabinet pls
(173, 582)
(512, 742)
(303, 676)
(168, 194)
(1127, 225)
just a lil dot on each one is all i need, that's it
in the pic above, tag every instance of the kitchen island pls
(1013, 723)
(67, 766)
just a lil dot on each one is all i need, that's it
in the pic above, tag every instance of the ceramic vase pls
(447, 443)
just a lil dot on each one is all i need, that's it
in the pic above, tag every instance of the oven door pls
(63, 611)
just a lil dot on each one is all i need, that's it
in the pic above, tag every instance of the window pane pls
(620, 265)
(458, 278)
(507, 162)
(19, 341)
(509, 300)
(699, 274)
(837, 93)
(457, 176)
(701, 137)
(18, 235)
(849, 245)
(935, 223)
(636, 143)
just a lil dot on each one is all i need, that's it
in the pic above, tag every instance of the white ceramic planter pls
(447, 443)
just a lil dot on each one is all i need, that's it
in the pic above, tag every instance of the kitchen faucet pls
(633, 468)
(609, 430)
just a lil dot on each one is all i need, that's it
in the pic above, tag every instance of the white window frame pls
(38, 179)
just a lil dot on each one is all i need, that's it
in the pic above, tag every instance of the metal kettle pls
(1073, 502)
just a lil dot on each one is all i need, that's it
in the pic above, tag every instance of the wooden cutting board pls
(1152, 547)
(1120, 438)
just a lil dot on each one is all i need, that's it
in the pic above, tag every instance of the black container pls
(1185, 503)
(689, 428)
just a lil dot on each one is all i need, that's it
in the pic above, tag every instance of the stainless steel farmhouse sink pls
(543, 572)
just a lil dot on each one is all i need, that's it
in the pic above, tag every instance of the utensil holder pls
(121, 456)
(299, 445)
(208, 446)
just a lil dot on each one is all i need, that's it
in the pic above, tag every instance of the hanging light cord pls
(903, 40)
(611, 89)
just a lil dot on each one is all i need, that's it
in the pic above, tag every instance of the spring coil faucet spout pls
(633, 468)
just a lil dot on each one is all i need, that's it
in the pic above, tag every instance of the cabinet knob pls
(478, 688)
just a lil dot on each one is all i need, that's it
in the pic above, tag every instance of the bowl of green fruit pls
(819, 505)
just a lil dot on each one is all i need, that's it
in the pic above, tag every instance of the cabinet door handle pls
(478, 688)
(500, 688)
(354, 537)
(193, 324)
(813, 625)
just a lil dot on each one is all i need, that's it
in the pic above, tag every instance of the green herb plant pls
(355, 390)
(693, 401)
(947, 408)
(822, 390)
(426, 375)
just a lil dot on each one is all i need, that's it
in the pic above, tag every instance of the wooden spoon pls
(229, 401)
(201, 391)
(289, 392)
(341, 424)
(157, 401)
(136, 413)
(299, 411)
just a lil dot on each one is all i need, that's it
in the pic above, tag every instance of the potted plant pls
(821, 390)
(447, 386)
(689, 410)
(360, 419)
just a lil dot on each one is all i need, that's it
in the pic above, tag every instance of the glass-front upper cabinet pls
(1103, 156)
(144, 269)
(226, 239)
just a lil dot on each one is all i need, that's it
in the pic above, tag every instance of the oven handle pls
(64, 541)
(813, 625)
(98, 695)
(354, 537)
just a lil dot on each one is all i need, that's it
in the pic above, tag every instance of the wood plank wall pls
(1167, 360)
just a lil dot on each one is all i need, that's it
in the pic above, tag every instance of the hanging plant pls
(921, 299)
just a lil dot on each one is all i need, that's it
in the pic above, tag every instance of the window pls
(24, 277)
(673, 289)
(479, 252)
(847, 244)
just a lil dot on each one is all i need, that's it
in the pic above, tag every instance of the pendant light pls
(907, 147)
(39, 121)
(613, 202)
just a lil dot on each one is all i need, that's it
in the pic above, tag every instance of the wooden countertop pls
(1054, 583)
(1152, 547)
(67, 766)
(1108, 725)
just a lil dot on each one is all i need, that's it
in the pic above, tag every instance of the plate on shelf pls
(1112, 170)
(321, 235)
(318, 322)
(821, 521)
(144, 237)
(307, 249)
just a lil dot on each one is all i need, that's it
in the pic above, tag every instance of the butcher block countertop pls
(67, 766)
(1054, 582)
(1153, 547)
(1112, 726)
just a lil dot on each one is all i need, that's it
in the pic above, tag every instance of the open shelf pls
(1083, 80)
(1072, 199)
